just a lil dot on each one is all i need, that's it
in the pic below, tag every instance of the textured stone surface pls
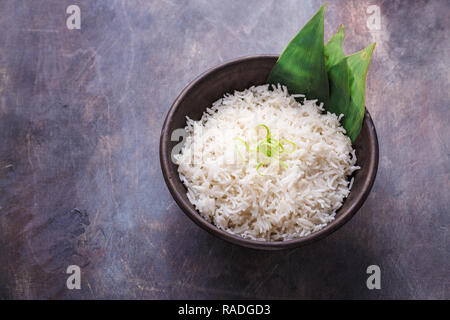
(80, 181)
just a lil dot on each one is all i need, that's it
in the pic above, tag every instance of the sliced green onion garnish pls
(290, 142)
(267, 129)
(269, 147)
(284, 164)
(237, 149)
(260, 165)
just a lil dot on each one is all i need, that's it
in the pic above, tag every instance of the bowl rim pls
(193, 214)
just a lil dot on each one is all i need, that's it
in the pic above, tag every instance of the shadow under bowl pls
(238, 75)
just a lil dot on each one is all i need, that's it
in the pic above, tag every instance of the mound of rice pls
(283, 203)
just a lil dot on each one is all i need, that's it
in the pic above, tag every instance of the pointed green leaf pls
(358, 64)
(337, 70)
(333, 49)
(301, 66)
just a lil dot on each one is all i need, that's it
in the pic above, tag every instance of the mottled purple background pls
(80, 182)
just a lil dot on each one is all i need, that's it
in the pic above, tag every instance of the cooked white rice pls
(283, 203)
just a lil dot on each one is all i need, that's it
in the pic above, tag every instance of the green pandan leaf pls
(333, 49)
(338, 78)
(358, 64)
(321, 72)
(301, 66)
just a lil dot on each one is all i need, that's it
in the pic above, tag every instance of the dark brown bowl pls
(240, 74)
